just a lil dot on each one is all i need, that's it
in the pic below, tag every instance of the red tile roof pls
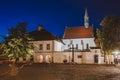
(78, 32)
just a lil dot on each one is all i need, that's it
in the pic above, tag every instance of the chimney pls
(40, 27)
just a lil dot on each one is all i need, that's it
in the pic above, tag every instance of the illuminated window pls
(48, 46)
(41, 47)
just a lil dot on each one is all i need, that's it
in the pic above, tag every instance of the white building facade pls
(44, 50)
(45, 45)
(77, 45)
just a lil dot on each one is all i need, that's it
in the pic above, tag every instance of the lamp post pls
(72, 48)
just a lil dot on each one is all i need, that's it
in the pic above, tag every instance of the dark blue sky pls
(54, 15)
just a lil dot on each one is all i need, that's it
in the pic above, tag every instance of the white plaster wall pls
(100, 57)
(54, 45)
(110, 59)
(78, 60)
(89, 58)
(37, 56)
(89, 41)
(57, 46)
(44, 43)
(44, 52)
(60, 56)
(101, 60)
(96, 51)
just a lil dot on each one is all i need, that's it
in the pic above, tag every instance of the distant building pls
(45, 45)
(77, 45)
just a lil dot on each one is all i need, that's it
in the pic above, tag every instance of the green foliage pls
(109, 33)
(16, 44)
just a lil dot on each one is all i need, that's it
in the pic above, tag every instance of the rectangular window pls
(79, 56)
(48, 47)
(41, 47)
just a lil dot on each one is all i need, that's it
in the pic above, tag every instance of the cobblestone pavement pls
(65, 72)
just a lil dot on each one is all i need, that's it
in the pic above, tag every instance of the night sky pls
(54, 15)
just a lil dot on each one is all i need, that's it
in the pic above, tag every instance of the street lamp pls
(72, 48)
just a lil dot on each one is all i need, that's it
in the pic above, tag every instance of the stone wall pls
(79, 57)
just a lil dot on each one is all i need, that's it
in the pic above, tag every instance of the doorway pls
(95, 58)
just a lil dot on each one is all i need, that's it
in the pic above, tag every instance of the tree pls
(109, 34)
(16, 44)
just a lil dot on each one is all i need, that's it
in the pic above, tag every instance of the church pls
(76, 46)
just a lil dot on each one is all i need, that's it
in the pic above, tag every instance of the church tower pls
(86, 19)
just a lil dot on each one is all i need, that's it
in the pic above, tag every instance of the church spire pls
(86, 19)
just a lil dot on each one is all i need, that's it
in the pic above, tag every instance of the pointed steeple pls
(86, 19)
